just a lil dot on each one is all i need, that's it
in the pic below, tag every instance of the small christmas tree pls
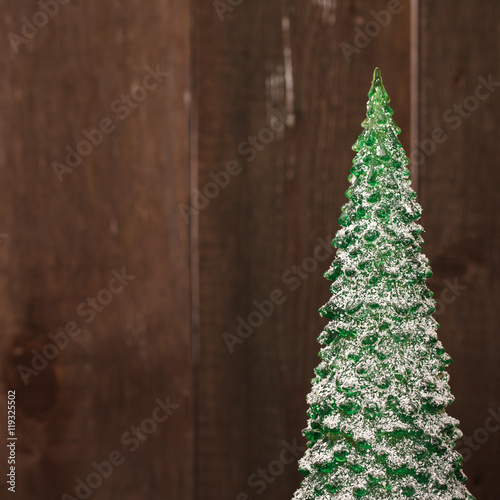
(377, 424)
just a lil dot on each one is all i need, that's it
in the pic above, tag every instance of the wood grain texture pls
(270, 216)
(459, 185)
(259, 230)
(117, 209)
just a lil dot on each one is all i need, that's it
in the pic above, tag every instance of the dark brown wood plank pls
(269, 217)
(459, 183)
(116, 210)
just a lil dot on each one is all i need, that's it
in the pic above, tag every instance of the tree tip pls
(377, 78)
(377, 84)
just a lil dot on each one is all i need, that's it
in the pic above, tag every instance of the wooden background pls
(162, 336)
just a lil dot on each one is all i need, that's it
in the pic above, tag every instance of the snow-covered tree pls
(377, 426)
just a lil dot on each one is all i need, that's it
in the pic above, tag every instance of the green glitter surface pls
(377, 425)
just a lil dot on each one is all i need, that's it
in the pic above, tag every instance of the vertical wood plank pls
(459, 183)
(266, 56)
(115, 211)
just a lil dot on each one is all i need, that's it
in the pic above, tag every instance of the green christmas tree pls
(377, 426)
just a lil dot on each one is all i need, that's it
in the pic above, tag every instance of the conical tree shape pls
(377, 425)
